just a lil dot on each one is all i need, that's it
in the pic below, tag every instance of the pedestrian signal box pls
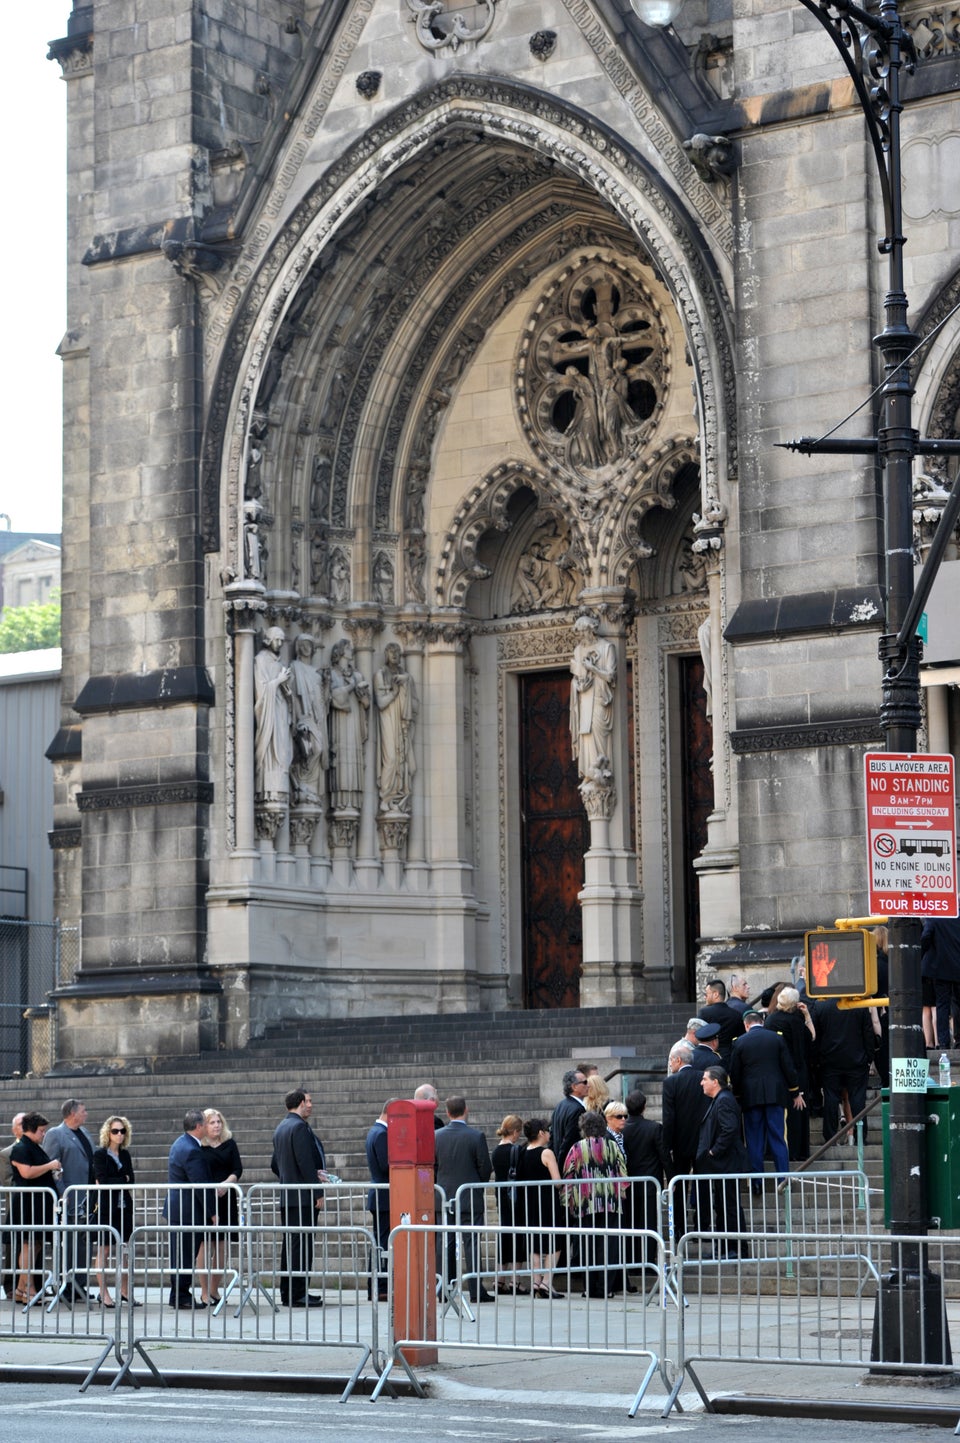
(841, 963)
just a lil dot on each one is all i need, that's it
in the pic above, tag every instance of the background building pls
(422, 332)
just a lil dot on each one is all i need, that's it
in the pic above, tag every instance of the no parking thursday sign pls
(911, 834)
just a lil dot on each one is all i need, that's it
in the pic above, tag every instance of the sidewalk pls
(506, 1372)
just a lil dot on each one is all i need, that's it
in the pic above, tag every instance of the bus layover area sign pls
(911, 834)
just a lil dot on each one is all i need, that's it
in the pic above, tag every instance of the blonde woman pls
(225, 1168)
(598, 1093)
(113, 1174)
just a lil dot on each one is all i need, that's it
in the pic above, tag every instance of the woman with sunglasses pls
(113, 1173)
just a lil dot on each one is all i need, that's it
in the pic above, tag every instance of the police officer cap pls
(712, 1029)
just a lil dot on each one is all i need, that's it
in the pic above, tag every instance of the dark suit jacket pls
(643, 1145)
(730, 1023)
(684, 1105)
(462, 1157)
(565, 1127)
(762, 1073)
(704, 1057)
(721, 1146)
(378, 1163)
(297, 1155)
(189, 1162)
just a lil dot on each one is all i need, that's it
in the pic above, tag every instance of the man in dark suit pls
(764, 1081)
(844, 1049)
(378, 1198)
(683, 1105)
(720, 1150)
(565, 1126)
(189, 1162)
(729, 1021)
(463, 1158)
(299, 1163)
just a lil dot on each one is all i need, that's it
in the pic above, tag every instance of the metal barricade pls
(877, 1302)
(35, 1246)
(530, 1249)
(614, 1322)
(344, 1318)
(837, 1203)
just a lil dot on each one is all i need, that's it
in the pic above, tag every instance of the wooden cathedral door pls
(555, 834)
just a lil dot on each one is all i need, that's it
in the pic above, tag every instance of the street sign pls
(911, 834)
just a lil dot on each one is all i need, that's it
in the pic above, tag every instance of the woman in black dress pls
(113, 1173)
(506, 1156)
(32, 1168)
(536, 1207)
(225, 1168)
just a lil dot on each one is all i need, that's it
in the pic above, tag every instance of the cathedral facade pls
(443, 630)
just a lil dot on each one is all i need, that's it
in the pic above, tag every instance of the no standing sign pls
(911, 834)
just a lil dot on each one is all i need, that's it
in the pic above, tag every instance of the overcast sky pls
(33, 263)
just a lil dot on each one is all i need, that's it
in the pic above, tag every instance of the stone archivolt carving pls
(654, 479)
(593, 371)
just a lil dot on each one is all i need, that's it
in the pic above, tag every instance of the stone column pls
(363, 628)
(610, 899)
(718, 866)
(244, 605)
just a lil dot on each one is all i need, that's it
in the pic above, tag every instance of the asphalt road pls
(38, 1413)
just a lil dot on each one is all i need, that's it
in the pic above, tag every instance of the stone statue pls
(273, 740)
(252, 557)
(349, 703)
(594, 670)
(383, 579)
(308, 701)
(586, 448)
(397, 704)
(339, 577)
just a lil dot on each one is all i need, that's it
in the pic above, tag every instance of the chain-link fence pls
(35, 959)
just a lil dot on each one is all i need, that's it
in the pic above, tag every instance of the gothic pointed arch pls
(339, 367)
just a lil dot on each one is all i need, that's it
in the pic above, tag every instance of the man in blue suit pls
(188, 1163)
(378, 1198)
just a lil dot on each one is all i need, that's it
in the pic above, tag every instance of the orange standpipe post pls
(411, 1154)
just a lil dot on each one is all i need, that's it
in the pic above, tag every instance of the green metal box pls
(943, 1156)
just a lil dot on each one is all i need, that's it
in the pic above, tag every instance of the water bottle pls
(944, 1070)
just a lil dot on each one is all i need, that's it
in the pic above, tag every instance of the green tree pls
(28, 628)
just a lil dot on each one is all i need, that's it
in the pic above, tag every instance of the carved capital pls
(244, 604)
(364, 630)
(598, 792)
(343, 830)
(303, 824)
(268, 818)
(393, 829)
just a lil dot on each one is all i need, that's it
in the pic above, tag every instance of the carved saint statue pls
(594, 670)
(397, 704)
(349, 703)
(273, 739)
(308, 700)
(252, 554)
